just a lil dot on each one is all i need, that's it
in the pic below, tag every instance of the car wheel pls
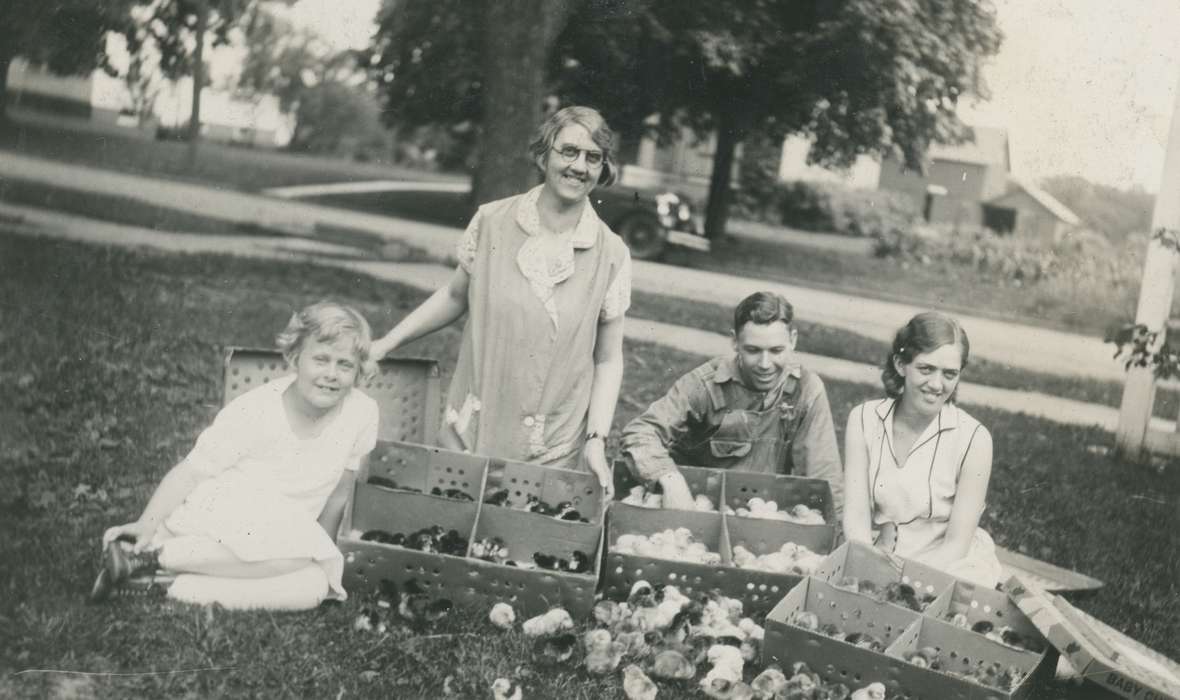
(644, 236)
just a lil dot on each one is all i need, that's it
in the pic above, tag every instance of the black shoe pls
(118, 565)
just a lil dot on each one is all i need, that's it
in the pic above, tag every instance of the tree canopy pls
(856, 76)
(68, 36)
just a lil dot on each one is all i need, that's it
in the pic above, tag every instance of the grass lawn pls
(242, 168)
(1083, 308)
(111, 361)
(439, 207)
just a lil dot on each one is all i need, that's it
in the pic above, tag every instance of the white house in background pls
(864, 173)
(106, 100)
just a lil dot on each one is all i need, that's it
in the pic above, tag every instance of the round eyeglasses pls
(570, 154)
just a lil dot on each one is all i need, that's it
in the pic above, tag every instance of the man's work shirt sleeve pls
(649, 438)
(815, 447)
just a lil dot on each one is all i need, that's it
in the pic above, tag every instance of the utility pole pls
(1155, 297)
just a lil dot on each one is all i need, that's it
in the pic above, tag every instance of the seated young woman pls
(916, 465)
(247, 519)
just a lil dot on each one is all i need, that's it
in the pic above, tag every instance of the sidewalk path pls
(429, 276)
(1037, 349)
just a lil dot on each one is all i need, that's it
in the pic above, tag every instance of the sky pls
(1084, 87)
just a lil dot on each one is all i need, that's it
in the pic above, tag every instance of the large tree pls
(479, 66)
(68, 36)
(857, 76)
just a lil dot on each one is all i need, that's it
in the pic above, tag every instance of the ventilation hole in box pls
(774, 589)
(513, 599)
(235, 371)
(619, 571)
(762, 587)
(409, 568)
(856, 678)
(638, 573)
(246, 379)
(974, 604)
(906, 579)
(755, 597)
(987, 608)
(999, 613)
(954, 654)
(436, 572)
(448, 470)
(843, 673)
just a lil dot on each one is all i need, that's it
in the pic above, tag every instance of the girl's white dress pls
(916, 492)
(266, 486)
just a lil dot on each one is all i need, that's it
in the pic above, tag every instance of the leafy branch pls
(1134, 342)
(1168, 237)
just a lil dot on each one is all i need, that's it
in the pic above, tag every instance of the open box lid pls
(407, 390)
(1100, 653)
(1046, 576)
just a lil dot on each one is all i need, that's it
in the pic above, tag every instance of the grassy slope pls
(815, 338)
(1084, 309)
(111, 360)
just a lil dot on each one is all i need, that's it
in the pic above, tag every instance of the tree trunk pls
(194, 122)
(518, 35)
(5, 63)
(729, 135)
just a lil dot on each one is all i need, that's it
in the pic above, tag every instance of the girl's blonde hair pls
(327, 321)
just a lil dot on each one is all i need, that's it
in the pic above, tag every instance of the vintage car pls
(650, 220)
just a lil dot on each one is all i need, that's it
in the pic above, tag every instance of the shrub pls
(825, 207)
(1081, 258)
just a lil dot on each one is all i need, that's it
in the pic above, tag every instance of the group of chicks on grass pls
(679, 544)
(755, 507)
(660, 635)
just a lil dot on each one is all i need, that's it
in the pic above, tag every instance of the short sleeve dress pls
(916, 492)
(521, 388)
(266, 486)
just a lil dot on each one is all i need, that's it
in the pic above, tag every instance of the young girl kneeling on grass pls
(247, 518)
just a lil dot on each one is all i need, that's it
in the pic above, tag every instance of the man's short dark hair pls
(762, 308)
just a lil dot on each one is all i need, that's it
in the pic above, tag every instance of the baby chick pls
(556, 648)
(872, 691)
(637, 685)
(767, 684)
(672, 665)
(602, 653)
(504, 689)
(502, 616)
(805, 619)
(552, 622)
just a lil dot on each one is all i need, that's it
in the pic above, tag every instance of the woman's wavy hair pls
(589, 119)
(925, 332)
(328, 321)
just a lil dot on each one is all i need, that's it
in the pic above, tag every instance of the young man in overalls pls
(756, 410)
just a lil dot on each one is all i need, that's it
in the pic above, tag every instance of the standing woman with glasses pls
(545, 284)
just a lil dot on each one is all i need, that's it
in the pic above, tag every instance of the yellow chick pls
(672, 665)
(768, 683)
(504, 689)
(502, 616)
(637, 685)
(872, 691)
(548, 623)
